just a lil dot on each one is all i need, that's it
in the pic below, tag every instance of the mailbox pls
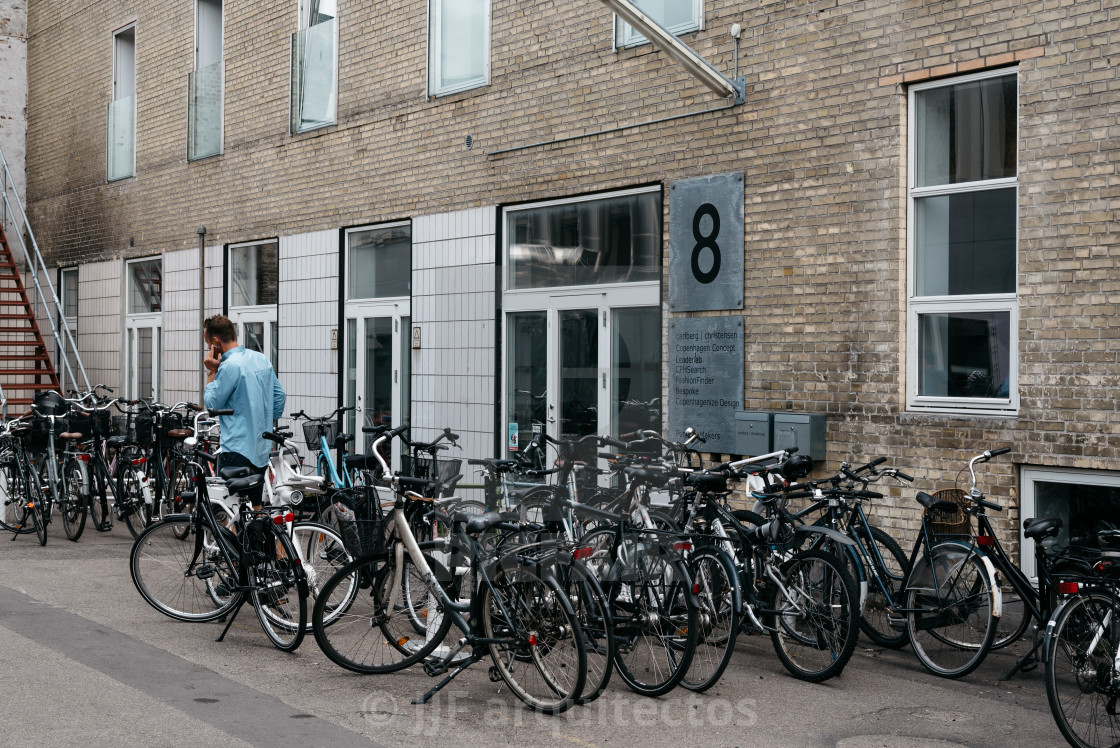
(806, 431)
(752, 433)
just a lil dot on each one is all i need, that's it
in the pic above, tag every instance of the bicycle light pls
(986, 541)
(581, 553)
(1068, 588)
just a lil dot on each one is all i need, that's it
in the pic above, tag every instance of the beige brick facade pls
(821, 140)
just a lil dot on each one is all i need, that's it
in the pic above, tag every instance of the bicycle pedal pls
(495, 676)
(432, 669)
(898, 624)
(1026, 667)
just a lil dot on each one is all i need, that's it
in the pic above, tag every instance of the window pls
(379, 262)
(678, 16)
(315, 66)
(254, 275)
(121, 119)
(962, 343)
(205, 84)
(68, 313)
(458, 45)
(587, 242)
(144, 286)
(1086, 501)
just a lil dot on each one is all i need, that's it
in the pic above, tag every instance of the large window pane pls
(966, 132)
(636, 370)
(614, 240)
(527, 376)
(314, 74)
(459, 43)
(254, 274)
(204, 112)
(68, 291)
(144, 287)
(1084, 510)
(964, 354)
(379, 263)
(122, 138)
(677, 16)
(965, 243)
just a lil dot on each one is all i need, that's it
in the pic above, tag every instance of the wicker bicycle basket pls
(312, 430)
(946, 523)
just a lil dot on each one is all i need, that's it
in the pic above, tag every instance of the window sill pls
(457, 90)
(916, 414)
(640, 42)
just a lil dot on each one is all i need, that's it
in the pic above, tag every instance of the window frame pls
(131, 26)
(964, 303)
(135, 320)
(195, 67)
(624, 40)
(347, 270)
(268, 315)
(434, 66)
(1028, 505)
(293, 127)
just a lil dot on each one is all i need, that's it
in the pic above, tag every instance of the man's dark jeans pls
(233, 459)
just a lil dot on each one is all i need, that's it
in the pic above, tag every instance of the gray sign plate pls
(706, 379)
(706, 243)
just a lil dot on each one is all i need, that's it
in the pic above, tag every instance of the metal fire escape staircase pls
(25, 362)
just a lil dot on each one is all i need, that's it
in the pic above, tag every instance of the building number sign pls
(706, 243)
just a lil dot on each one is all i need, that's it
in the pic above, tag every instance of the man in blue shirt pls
(244, 381)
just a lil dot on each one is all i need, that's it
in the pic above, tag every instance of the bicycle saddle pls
(655, 478)
(481, 523)
(1110, 542)
(706, 482)
(240, 485)
(937, 505)
(231, 473)
(1042, 527)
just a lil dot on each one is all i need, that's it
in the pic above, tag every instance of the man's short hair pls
(220, 327)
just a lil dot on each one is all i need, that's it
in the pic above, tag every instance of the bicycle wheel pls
(99, 515)
(37, 505)
(1082, 680)
(73, 500)
(593, 612)
(279, 593)
(888, 563)
(374, 634)
(174, 572)
(13, 501)
(130, 497)
(541, 654)
(815, 630)
(714, 579)
(323, 553)
(656, 620)
(951, 623)
(180, 480)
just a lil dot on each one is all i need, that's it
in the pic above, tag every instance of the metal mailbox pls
(752, 432)
(806, 431)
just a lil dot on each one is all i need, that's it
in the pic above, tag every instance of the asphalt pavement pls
(85, 661)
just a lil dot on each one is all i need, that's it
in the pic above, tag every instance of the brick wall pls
(821, 142)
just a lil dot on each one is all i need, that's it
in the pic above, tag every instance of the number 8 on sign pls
(708, 242)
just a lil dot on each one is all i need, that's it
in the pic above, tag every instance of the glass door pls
(378, 368)
(586, 364)
(257, 332)
(142, 347)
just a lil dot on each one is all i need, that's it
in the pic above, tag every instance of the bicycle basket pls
(98, 423)
(945, 523)
(312, 430)
(361, 520)
(36, 434)
(169, 422)
(430, 468)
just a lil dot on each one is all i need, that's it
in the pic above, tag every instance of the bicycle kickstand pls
(232, 615)
(441, 666)
(1027, 662)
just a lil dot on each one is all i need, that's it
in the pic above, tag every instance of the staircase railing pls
(13, 218)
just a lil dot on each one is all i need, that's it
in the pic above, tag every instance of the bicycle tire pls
(37, 505)
(890, 563)
(323, 553)
(1081, 672)
(591, 609)
(543, 659)
(159, 565)
(951, 628)
(656, 621)
(130, 498)
(815, 629)
(13, 501)
(279, 593)
(362, 637)
(715, 580)
(99, 515)
(74, 504)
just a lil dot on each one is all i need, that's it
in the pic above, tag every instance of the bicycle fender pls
(176, 517)
(827, 532)
(1048, 637)
(997, 593)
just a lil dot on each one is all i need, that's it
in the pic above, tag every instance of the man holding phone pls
(245, 381)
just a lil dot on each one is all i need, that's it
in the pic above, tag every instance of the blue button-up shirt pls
(246, 383)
